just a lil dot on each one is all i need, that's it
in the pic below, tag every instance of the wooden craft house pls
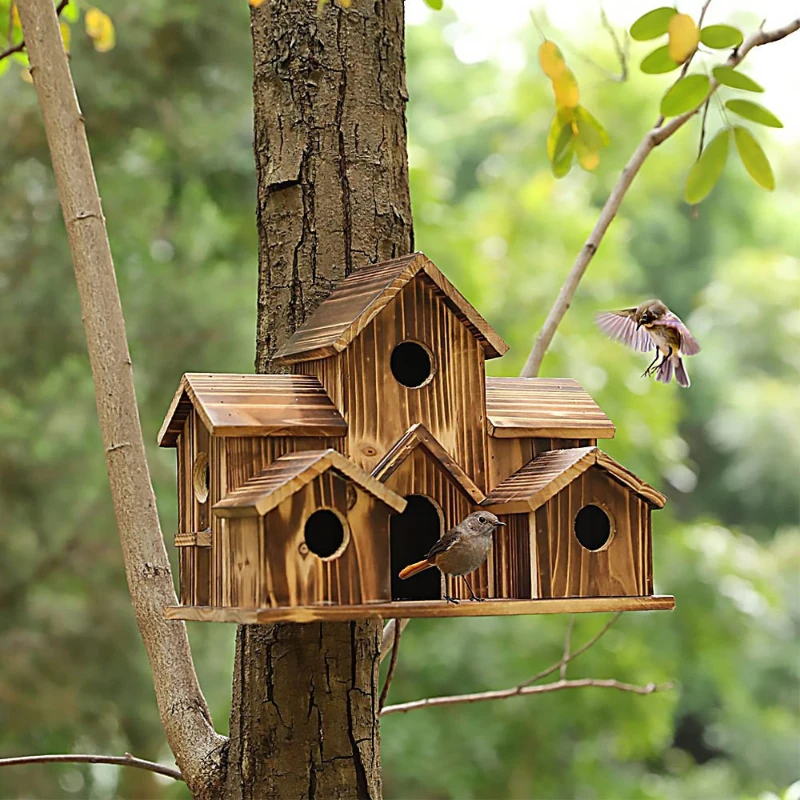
(302, 496)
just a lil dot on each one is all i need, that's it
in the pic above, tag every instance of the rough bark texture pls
(330, 145)
(183, 709)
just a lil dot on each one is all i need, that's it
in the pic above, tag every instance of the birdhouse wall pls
(515, 572)
(621, 568)
(379, 409)
(506, 456)
(266, 561)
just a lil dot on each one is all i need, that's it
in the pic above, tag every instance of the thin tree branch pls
(72, 758)
(387, 639)
(622, 52)
(18, 48)
(520, 691)
(652, 139)
(703, 127)
(562, 672)
(183, 709)
(398, 632)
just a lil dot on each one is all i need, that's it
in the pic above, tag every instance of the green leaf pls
(728, 76)
(658, 62)
(684, 95)
(586, 119)
(563, 117)
(705, 172)
(71, 12)
(4, 65)
(754, 112)
(564, 163)
(721, 36)
(436, 5)
(754, 159)
(563, 142)
(652, 24)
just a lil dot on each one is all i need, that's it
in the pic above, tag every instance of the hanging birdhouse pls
(301, 497)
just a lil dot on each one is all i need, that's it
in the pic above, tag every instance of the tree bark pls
(330, 146)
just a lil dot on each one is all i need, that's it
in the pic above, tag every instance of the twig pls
(398, 632)
(562, 672)
(71, 758)
(652, 139)
(703, 127)
(388, 635)
(18, 48)
(621, 52)
(519, 691)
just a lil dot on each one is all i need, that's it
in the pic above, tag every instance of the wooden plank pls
(627, 478)
(543, 407)
(413, 609)
(361, 297)
(253, 405)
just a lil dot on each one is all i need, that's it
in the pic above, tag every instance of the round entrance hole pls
(326, 534)
(412, 364)
(200, 477)
(592, 527)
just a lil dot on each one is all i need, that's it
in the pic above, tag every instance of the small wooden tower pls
(302, 496)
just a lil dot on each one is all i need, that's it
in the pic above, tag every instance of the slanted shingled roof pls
(544, 407)
(360, 297)
(419, 436)
(546, 475)
(253, 405)
(291, 472)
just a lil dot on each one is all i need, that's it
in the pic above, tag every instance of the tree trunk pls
(330, 146)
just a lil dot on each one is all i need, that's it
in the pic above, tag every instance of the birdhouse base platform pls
(408, 609)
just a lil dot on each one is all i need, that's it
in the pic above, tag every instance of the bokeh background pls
(169, 118)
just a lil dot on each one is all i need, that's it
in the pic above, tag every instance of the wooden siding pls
(623, 568)
(514, 576)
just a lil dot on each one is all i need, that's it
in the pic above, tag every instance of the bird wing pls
(689, 345)
(444, 544)
(619, 325)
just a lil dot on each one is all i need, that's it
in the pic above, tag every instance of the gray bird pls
(461, 550)
(652, 325)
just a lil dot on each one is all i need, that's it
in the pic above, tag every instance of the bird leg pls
(652, 367)
(474, 596)
(450, 599)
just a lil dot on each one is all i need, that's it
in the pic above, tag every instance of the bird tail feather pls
(681, 375)
(665, 369)
(413, 569)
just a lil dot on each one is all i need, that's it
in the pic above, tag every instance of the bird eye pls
(481, 519)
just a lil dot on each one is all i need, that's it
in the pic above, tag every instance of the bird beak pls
(501, 523)
(638, 325)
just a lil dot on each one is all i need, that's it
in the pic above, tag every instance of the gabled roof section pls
(253, 405)
(546, 475)
(419, 436)
(291, 472)
(360, 297)
(544, 407)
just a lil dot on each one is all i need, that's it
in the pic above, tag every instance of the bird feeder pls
(302, 496)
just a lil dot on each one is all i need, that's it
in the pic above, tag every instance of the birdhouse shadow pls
(411, 536)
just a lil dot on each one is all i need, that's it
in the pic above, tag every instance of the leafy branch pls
(654, 137)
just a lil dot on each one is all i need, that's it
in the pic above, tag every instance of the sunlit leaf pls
(551, 60)
(705, 172)
(754, 112)
(436, 5)
(652, 24)
(100, 29)
(564, 141)
(658, 62)
(65, 35)
(255, 3)
(721, 36)
(15, 16)
(684, 36)
(564, 117)
(71, 12)
(754, 159)
(4, 65)
(728, 76)
(564, 163)
(587, 144)
(587, 120)
(565, 88)
(684, 95)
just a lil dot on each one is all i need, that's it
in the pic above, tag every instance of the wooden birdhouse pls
(302, 496)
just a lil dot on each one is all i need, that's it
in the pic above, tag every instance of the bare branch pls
(398, 632)
(18, 48)
(622, 52)
(183, 709)
(703, 127)
(388, 635)
(652, 139)
(72, 758)
(520, 691)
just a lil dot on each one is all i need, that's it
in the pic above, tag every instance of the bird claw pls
(478, 599)
(451, 599)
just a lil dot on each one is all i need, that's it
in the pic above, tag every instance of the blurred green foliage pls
(169, 119)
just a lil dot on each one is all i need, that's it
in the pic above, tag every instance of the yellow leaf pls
(684, 37)
(551, 60)
(15, 16)
(255, 3)
(101, 29)
(65, 35)
(25, 74)
(565, 88)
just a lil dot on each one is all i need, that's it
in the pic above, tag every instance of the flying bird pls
(649, 326)
(461, 550)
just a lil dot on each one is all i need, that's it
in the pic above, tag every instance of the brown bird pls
(652, 325)
(461, 550)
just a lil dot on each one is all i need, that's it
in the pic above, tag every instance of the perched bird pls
(648, 326)
(461, 550)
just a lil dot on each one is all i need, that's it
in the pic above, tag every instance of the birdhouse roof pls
(546, 475)
(419, 436)
(289, 473)
(544, 407)
(253, 405)
(360, 297)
